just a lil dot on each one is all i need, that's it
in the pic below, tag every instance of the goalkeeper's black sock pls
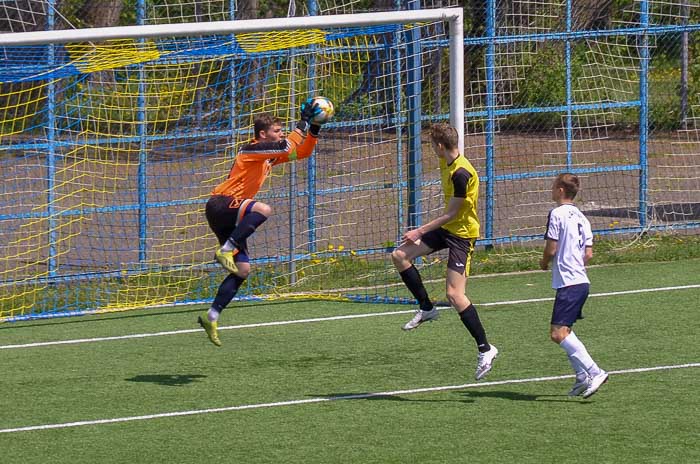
(470, 319)
(246, 227)
(412, 279)
(227, 290)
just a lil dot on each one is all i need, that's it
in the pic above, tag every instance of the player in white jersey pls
(569, 246)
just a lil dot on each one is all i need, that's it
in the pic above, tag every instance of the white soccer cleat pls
(421, 317)
(580, 386)
(596, 382)
(485, 362)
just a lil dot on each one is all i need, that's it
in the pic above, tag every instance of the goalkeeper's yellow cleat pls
(211, 328)
(225, 258)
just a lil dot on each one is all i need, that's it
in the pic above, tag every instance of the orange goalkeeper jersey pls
(254, 162)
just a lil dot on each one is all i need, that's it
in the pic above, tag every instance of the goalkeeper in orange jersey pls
(233, 213)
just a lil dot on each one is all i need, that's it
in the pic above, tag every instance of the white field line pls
(187, 331)
(320, 319)
(357, 396)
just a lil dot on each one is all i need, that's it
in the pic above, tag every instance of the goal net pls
(113, 139)
(109, 148)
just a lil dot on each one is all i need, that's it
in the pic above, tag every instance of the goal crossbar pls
(453, 15)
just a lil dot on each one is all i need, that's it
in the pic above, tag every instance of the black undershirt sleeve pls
(460, 180)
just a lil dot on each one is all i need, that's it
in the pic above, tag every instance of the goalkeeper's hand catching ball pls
(308, 110)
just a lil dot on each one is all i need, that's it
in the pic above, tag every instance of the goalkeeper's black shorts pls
(223, 213)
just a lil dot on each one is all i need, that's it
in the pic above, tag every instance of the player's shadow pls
(513, 396)
(380, 397)
(169, 380)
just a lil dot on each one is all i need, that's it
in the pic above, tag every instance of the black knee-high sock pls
(246, 227)
(227, 290)
(412, 279)
(470, 319)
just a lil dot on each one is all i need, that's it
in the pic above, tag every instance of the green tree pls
(100, 13)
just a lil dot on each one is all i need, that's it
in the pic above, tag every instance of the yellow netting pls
(114, 54)
(257, 42)
(142, 132)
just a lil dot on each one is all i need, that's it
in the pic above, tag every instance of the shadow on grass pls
(469, 396)
(514, 396)
(384, 397)
(168, 380)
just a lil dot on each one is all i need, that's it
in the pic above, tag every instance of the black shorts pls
(461, 249)
(223, 213)
(568, 304)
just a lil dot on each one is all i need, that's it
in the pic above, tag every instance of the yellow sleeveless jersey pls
(461, 180)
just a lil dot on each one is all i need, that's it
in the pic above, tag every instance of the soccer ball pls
(326, 110)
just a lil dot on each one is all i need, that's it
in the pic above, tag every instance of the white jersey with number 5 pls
(572, 231)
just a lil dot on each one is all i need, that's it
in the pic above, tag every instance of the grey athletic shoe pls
(580, 386)
(596, 382)
(485, 362)
(421, 317)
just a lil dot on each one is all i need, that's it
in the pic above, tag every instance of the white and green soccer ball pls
(326, 110)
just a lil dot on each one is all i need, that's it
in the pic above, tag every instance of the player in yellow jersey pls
(456, 229)
(232, 212)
